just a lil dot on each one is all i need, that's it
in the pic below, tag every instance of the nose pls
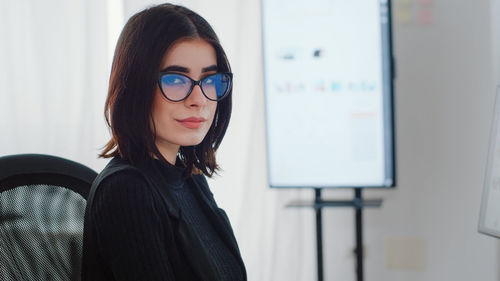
(196, 98)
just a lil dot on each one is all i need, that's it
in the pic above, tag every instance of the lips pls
(192, 122)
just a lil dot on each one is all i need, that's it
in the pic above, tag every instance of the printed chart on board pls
(328, 93)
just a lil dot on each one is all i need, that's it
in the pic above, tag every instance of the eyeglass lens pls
(176, 87)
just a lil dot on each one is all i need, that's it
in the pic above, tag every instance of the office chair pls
(42, 207)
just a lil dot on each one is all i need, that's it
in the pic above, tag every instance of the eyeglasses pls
(177, 87)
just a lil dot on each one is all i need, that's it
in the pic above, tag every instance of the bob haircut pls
(134, 74)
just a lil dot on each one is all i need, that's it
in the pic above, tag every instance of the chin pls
(191, 141)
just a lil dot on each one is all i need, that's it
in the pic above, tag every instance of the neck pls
(168, 151)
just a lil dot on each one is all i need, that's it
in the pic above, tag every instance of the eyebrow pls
(183, 69)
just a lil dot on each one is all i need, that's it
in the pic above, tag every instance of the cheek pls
(156, 110)
(160, 111)
(212, 110)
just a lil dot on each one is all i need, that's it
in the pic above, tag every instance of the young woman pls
(150, 213)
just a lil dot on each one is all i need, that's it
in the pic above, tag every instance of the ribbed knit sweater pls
(225, 262)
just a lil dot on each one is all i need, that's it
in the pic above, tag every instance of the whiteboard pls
(489, 219)
(328, 92)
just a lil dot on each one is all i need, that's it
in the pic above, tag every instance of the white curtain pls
(53, 76)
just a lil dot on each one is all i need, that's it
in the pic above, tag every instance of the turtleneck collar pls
(173, 175)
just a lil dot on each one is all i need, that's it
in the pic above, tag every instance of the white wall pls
(444, 101)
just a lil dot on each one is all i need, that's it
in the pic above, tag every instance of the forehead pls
(191, 53)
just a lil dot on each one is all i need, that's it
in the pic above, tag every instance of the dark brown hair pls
(142, 44)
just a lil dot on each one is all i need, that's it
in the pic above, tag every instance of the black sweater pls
(149, 223)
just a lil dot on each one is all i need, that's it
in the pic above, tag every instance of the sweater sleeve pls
(129, 229)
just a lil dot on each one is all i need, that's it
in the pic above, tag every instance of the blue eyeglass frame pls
(194, 83)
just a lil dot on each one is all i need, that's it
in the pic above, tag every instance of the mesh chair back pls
(42, 208)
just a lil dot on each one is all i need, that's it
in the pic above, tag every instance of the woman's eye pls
(209, 81)
(174, 80)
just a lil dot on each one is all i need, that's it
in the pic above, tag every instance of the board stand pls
(358, 203)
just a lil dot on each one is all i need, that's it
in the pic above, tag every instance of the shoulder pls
(202, 184)
(121, 182)
(123, 195)
(124, 180)
(120, 173)
(200, 178)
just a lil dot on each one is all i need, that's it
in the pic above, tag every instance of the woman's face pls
(186, 122)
